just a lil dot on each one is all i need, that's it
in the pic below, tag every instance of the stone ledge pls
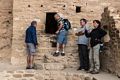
(43, 75)
(50, 66)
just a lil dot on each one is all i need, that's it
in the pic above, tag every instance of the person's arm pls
(80, 33)
(26, 36)
(87, 34)
(59, 27)
(34, 35)
(102, 33)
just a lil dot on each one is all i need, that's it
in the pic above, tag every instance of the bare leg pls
(63, 48)
(57, 50)
(31, 61)
(28, 61)
(58, 47)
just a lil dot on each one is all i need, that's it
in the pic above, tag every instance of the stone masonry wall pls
(25, 11)
(5, 29)
(16, 16)
(111, 56)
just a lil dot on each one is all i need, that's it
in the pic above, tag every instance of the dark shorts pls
(62, 37)
(31, 50)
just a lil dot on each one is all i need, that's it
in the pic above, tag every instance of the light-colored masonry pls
(16, 15)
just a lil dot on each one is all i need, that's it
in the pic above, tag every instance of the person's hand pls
(76, 34)
(79, 34)
(36, 45)
(57, 32)
(86, 31)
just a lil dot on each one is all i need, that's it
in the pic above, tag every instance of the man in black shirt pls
(96, 34)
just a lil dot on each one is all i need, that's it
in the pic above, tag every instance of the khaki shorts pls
(31, 50)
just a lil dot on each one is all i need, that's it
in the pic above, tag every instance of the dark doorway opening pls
(51, 23)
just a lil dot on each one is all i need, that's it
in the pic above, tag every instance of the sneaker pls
(89, 71)
(56, 54)
(27, 67)
(79, 68)
(33, 67)
(62, 54)
(94, 72)
(86, 69)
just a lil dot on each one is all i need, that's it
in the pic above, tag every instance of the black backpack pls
(67, 24)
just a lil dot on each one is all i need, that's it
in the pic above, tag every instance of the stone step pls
(49, 66)
(43, 75)
(67, 74)
(53, 71)
(69, 60)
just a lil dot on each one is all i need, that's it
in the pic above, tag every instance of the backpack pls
(67, 24)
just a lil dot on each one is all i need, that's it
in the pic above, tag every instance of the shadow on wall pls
(110, 56)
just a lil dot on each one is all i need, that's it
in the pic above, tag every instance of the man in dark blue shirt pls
(31, 42)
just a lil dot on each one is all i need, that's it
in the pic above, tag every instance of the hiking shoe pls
(27, 67)
(79, 68)
(89, 71)
(94, 72)
(33, 67)
(86, 69)
(62, 54)
(56, 54)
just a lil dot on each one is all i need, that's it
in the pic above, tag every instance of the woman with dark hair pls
(96, 34)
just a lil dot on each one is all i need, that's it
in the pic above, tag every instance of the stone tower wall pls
(5, 29)
(24, 11)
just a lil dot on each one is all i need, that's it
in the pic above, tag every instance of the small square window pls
(78, 9)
